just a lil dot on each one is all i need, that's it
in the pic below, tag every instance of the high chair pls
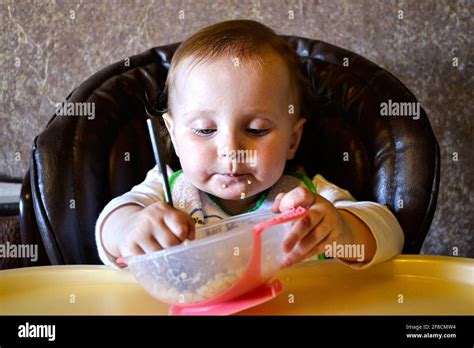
(78, 164)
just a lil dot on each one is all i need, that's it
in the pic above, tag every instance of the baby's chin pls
(233, 197)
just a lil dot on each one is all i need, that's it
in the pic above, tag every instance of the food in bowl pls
(201, 270)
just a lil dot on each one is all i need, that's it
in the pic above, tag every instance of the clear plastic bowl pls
(197, 271)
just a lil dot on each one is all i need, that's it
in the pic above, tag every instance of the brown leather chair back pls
(78, 165)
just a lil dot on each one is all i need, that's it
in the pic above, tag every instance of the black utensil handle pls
(157, 144)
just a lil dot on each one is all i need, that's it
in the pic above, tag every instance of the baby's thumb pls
(276, 203)
(296, 197)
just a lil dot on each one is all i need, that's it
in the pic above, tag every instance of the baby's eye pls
(258, 132)
(204, 132)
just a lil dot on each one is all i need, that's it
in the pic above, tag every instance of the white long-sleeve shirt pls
(205, 209)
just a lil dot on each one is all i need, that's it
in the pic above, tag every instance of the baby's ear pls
(296, 137)
(169, 123)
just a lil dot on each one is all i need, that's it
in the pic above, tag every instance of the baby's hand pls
(156, 227)
(323, 225)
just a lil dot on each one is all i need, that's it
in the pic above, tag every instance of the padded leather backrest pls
(78, 164)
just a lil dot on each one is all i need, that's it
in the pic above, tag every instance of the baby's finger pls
(150, 245)
(297, 196)
(276, 203)
(304, 250)
(165, 236)
(301, 228)
(131, 250)
(192, 229)
(178, 224)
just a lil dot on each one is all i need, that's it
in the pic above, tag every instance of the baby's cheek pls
(194, 158)
(197, 156)
(271, 163)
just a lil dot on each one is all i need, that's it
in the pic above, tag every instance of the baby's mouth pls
(239, 181)
(231, 178)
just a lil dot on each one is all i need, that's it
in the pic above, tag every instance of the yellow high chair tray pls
(405, 285)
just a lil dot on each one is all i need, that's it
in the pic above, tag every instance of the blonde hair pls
(246, 40)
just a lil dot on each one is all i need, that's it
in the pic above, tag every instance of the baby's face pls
(232, 126)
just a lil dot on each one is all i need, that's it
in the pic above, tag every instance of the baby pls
(234, 118)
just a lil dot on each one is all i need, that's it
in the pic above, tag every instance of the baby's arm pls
(384, 227)
(112, 228)
(361, 235)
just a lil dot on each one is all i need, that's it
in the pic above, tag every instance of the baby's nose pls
(229, 144)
